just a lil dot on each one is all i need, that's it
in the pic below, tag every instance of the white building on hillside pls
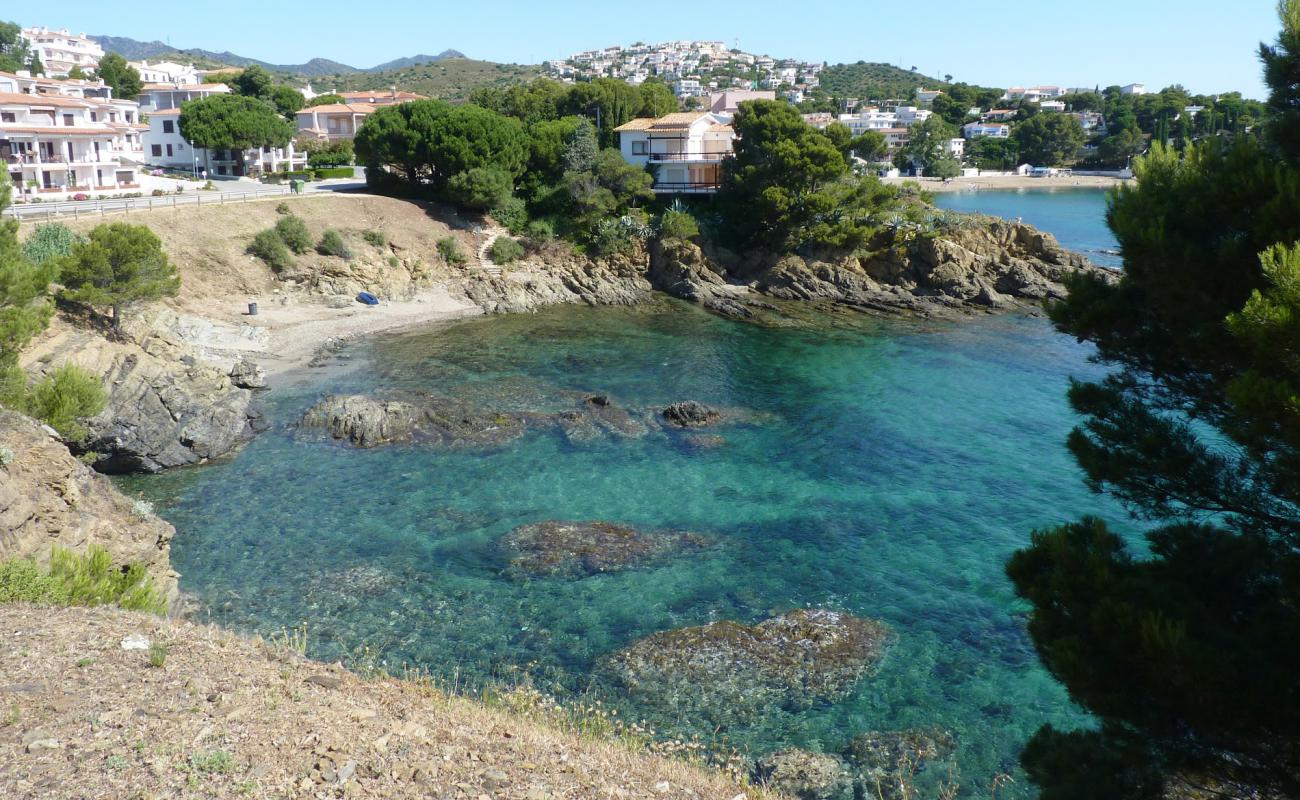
(166, 148)
(1133, 88)
(926, 96)
(57, 142)
(1034, 94)
(979, 130)
(686, 150)
(333, 122)
(167, 72)
(1055, 106)
(60, 51)
(162, 96)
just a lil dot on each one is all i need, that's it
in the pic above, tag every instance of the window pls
(639, 148)
(67, 119)
(156, 150)
(169, 151)
(8, 117)
(94, 116)
(169, 126)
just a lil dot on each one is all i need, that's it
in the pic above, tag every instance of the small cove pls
(890, 470)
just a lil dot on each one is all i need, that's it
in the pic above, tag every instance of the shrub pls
(512, 213)
(332, 244)
(393, 263)
(283, 208)
(158, 655)
(505, 250)
(610, 236)
(81, 196)
(675, 224)
(333, 172)
(293, 232)
(480, 188)
(63, 398)
(157, 193)
(49, 241)
(6, 456)
(269, 247)
(450, 251)
(540, 231)
(88, 579)
(376, 238)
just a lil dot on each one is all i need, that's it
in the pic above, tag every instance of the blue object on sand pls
(367, 298)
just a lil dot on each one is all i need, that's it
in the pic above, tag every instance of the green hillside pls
(452, 78)
(874, 81)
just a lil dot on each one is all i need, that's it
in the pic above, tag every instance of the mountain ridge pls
(134, 50)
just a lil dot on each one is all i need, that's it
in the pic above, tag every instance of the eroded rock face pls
(727, 671)
(804, 775)
(370, 422)
(248, 375)
(48, 497)
(579, 549)
(691, 414)
(165, 408)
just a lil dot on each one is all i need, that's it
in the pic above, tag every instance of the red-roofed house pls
(685, 149)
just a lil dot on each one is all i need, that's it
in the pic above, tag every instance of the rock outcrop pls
(579, 549)
(804, 775)
(727, 671)
(165, 408)
(691, 414)
(369, 422)
(48, 497)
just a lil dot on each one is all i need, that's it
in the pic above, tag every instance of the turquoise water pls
(1075, 215)
(890, 470)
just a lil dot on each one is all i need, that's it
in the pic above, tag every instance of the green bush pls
(376, 238)
(332, 244)
(88, 579)
(675, 224)
(49, 242)
(450, 251)
(269, 247)
(610, 237)
(333, 172)
(511, 212)
(283, 208)
(293, 232)
(480, 188)
(63, 398)
(505, 250)
(540, 231)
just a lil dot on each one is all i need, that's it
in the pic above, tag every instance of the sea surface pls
(1075, 215)
(889, 470)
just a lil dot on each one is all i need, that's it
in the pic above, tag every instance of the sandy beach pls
(1011, 182)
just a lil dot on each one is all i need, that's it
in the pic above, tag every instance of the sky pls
(1208, 46)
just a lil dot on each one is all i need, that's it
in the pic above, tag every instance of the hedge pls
(333, 172)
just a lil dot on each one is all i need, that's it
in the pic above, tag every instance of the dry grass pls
(224, 716)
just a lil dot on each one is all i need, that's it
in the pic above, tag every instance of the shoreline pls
(1011, 183)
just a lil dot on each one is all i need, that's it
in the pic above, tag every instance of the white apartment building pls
(164, 96)
(57, 143)
(1133, 88)
(873, 119)
(1034, 94)
(1055, 106)
(166, 148)
(167, 72)
(926, 96)
(688, 88)
(686, 150)
(60, 51)
(979, 130)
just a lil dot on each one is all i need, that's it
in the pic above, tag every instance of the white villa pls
(60, 51)
(979, 130)
(59, 139)
(1034, 94)
(685, 149)
(167, 72)
(334, 121)
(926, 96)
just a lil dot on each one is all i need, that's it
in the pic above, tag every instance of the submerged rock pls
(727, 671)
(691, 414)
(578, 549)
(803, 775)
(882, 760)
(369, 422)
(597, 417)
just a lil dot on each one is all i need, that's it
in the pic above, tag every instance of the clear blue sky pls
(1207, 45)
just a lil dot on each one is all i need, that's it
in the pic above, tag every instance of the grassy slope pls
(452, 78)
(874, 81)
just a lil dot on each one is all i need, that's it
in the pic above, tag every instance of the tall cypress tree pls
(1187, 652)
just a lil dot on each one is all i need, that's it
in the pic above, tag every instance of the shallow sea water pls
(891, 470)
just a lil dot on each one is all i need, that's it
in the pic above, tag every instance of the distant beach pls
(1000, 182)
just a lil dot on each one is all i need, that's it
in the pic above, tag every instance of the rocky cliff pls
(165, 408)
(48, 497)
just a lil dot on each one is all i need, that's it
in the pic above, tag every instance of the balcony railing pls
(709, 155)
(689, 186)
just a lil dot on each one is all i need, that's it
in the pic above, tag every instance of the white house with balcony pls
(167, 72)
(1133, 88)
(55, 147)
(163, 96)
(685, 150)
(60, 51)
(926, 96)
(333, 122)
(980, 130)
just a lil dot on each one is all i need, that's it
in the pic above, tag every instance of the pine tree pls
(1187, 652)
(25, 307)
(118, 265)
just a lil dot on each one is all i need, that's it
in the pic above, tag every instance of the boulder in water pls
(578, 549)
(727, 671)
(691, 414)
(881, 761)
(804, 775)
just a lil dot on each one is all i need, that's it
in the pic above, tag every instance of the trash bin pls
(252, 309)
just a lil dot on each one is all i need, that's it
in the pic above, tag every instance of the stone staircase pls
(485, 262)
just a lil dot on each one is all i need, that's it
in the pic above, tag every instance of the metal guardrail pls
(125, 205)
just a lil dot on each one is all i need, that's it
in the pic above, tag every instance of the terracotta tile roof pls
(166, 112)
(680, 119)
(12, 98)
(376, 96)
(638, 124)
(338, 108)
